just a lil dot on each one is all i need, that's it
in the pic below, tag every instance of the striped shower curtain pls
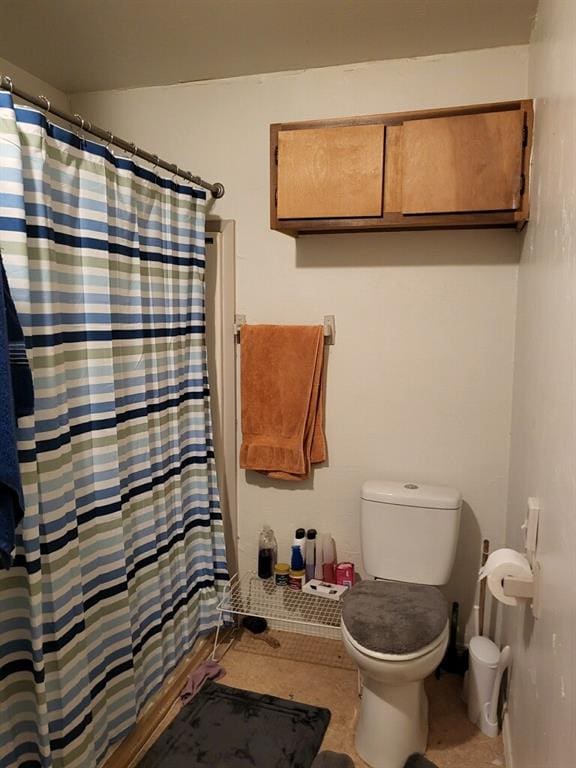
(120, 558)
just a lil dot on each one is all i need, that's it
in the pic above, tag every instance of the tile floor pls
(318, 671)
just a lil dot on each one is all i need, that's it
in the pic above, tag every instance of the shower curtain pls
(120, 559)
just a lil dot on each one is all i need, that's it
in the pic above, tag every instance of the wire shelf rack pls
(295, 646)
(283, 608)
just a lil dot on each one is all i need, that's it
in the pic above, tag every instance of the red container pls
(345, 574)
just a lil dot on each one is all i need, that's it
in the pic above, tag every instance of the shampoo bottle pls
(296, 560)
(300, 541)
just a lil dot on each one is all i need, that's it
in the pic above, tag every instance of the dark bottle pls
(265, 560)
(266, 553)
(310, 553)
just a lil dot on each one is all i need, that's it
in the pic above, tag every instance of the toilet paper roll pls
(501, 564)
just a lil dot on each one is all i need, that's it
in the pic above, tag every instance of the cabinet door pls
(330, 172)
(463, 163)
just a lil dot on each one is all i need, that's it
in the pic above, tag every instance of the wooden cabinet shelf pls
(449, 168)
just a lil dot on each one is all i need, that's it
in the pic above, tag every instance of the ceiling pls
(86, 45)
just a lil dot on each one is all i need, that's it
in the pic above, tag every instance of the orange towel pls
(282, 399)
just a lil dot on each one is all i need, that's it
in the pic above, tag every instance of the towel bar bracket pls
(239, 321)
(329, 327)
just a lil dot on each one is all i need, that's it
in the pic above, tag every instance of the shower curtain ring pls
(156, 161)
(133, 150)
(110, 140)
(79, 119)
(10, 83)
(80, 135)
(46, 101)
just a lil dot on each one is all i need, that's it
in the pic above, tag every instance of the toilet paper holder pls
(526, 587)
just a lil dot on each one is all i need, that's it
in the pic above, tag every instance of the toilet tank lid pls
(411, 494)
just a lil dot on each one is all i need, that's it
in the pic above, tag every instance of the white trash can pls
(484, 657)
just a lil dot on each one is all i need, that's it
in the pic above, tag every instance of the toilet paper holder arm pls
(519, 586)
(527, 587)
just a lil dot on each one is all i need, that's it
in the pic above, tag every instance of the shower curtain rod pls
(44, 104)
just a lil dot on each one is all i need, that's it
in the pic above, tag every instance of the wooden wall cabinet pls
(449, 168)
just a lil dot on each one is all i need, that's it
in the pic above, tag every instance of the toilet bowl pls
(395, 626)
(393, 717)
(395, 669)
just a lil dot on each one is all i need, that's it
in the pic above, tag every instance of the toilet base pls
(392, 723)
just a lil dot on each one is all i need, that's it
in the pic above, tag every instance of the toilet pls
(395, 624)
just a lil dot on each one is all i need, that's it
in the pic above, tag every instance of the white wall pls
(543, 458)
(420, 379)
(33, 85)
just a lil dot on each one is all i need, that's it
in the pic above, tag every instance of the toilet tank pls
(409, 532)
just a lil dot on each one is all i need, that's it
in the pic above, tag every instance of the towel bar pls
(329, 328)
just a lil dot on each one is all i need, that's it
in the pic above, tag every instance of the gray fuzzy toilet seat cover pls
(393, 616)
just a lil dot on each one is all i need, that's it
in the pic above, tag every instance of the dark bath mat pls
(225, 727)
(333, 760)
(418, 761)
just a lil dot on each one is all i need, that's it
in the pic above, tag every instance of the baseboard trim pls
(507, 739)
(159, 712)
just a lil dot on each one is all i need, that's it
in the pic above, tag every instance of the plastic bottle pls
(318, 569)
(299, 541)
(310, 553)
(267, 549)
(296, 561)
(274, 544)
(329, 560)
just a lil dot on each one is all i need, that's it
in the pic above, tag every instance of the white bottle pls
(318, 572)
(329, 559)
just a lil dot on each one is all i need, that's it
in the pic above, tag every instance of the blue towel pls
(20, 373)
(16, 399)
